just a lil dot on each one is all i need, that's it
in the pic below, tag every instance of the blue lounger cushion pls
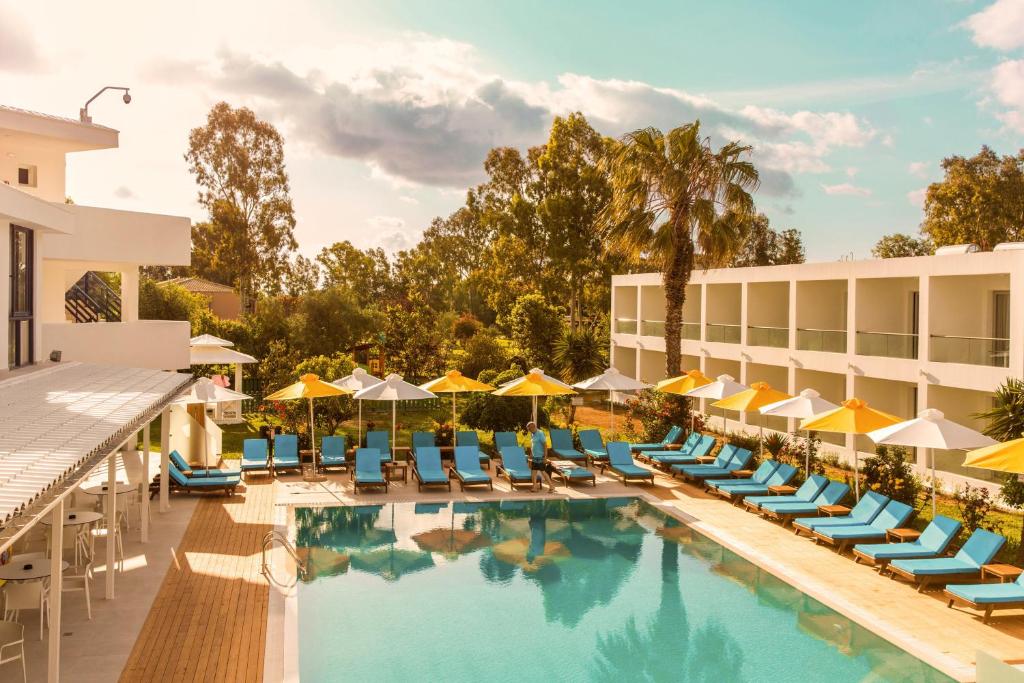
(831, 495)
(979, 549)
(286, 451)
(932, 542)
(673, 435)
(503, 439)
(866, 509)
(202, 482)
(761, 475)
(467, 465)
(705, 444)
(780, 477)
(593, 444)
(332, 451)
(990, 593)
(562, 446)
(379, 440)
(422, 440)
(368, 466)
(807, 492)
(428, 465)
(514, 464)
(892, 516)
(621, 462)
(254, 454)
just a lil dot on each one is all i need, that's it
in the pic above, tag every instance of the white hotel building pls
(903, 334)
(49, 247)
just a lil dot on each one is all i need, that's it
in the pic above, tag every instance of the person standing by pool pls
(538, 465)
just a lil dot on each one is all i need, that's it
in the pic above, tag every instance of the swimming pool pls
(600, 589)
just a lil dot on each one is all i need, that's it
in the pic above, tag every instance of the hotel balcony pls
(887, 317)
(969, 320)
(821, 307)
(723, 332)
(768, 314)
(724, 307)
(625, 310)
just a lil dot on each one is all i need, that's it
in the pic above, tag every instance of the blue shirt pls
(538, 446)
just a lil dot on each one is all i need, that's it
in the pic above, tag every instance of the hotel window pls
(19, 333)
(27, 176)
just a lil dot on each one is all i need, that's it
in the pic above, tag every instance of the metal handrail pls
(269, 539)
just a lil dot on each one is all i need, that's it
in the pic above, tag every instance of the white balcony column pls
(924, 324)
(145, 484)
(165, 458)
(130, 295)
(744, 298)
(703, 316)
(851, 320)
(112, 528)
(56, 581)
(792, 316)
(1016, 368)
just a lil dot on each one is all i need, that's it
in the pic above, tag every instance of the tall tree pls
(898, 245)
(674, 195)
(980, 201)
(367, 273)
(238, 163)
(764, 246)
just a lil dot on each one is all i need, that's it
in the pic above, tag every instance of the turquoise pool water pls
(594, 590)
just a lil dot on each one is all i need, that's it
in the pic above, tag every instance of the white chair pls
(100, 531)
(79, 583)
(12, 645)
(19, 595)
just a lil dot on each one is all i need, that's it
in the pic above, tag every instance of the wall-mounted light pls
(83, 113)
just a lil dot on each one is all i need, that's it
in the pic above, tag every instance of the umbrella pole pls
(535, 410)
(394, 439)
(931, 452)
(611, 405)
(760, 436)
(807, 454)
(312, 435)
(359, 425)
(856, 473)
(455, 438)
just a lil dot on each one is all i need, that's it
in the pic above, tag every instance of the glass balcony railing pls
(887, 344)
(691, 331)
(832, 341)
(760, 335)
(652, 328)
(717, 332)
(970, 350)
(625, 325)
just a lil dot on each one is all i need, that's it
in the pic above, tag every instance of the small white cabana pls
(209, 350)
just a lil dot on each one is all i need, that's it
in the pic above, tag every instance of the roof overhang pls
(61, 133)
(62, 421)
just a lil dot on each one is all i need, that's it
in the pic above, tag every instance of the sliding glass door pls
(20, 333)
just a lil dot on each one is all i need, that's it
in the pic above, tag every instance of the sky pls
(389, 108)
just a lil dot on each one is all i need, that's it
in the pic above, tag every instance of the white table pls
(78, 518)
(15, 570)
(101, 489)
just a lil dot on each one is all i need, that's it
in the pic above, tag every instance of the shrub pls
(799, 445)
(444, 433)
(1012, 494)
(656, 412)
(499, 413)
(466, 326)
(483, 351)
(777, 444)
(889, 473)
(751, 442)
(974, 503)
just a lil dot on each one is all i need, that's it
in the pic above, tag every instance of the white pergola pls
(60, 423)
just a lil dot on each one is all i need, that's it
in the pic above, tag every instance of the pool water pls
(587, 590)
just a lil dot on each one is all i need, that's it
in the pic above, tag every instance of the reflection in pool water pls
(603, 589)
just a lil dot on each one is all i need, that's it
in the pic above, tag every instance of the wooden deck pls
(209, 620)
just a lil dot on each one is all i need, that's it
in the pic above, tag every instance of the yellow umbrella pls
(1003, 457)
(454, 382)
(683, 384)
(854, 416)
(533, 384)
(759, 394)
(308, 387)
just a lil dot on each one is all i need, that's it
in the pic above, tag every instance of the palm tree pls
(674, 197)
(579, 353)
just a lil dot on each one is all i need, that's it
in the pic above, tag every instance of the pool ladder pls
(277, 537)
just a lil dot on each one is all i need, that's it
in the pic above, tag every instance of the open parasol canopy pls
(454, 382)
(533, 384)
(611, 380)
(308, 387)
(359, 379)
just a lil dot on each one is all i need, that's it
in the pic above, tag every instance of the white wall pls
(821, 305)
(49, 163)
(887, 304)
(962, 305)
(157, 344)
(724, 304)
(768, 304)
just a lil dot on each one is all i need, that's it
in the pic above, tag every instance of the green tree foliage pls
(483, 351)
(656, 412)
(238, 164)
(331, 411)
(891, 474)
(499, 413)
(675, 196)
(411, 347)
(366, 273)
(1006, 416)
(326, 321)
(534, 326)
(580, 353)
(764, 246)
(302, 277)
(898, 245)
(173, 302)
(980, 200)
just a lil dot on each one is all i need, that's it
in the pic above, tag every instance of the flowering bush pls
(890, 474)
(656, 412)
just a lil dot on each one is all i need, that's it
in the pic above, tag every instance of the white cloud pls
(918, 168)
(19, 50)
(379, 223)
(916, 197)
(407, 199)
(847, 189)
(999, 26)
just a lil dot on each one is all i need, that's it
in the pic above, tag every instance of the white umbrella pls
(206, 391)
(393, 389)
(209, 340)
(931, 430)
(611, 380)
(805, 404)
(724, 386)
(357, 381)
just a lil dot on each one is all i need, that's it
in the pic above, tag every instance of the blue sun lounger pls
(367, 472)
(286, 452)
(987, 597)
(515, 467)
(379, 440)
(807, 492)
(593, 445)
(670, 439)
(740, 459)
(503, 439)
(470, 438)
(866, 509)
(428, 470)
(894, 515)
(833, 493)
(421, 440)
(932, 542)
(562, 446)
(761, 475)
(332, 452)
(979, 550)
(685, 456)
(467, 468)
(255, 456)
(739, 489)
(180, 482)
(684, 448)
(620, 462)
(193, 472)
